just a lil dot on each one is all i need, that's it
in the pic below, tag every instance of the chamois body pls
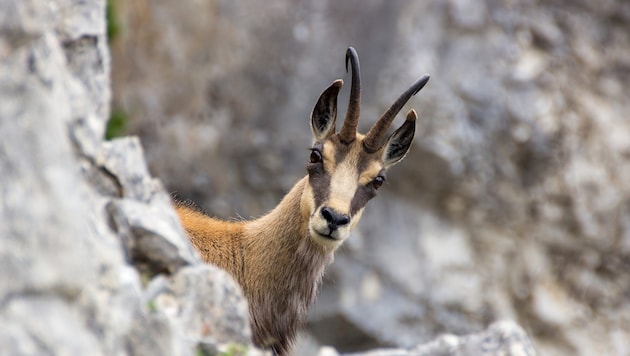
(273, 259)
(279, 258)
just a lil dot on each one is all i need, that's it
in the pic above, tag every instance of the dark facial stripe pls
(361, 197)
(364, 193)
(319, 180)
(320, 183)
(341, 149)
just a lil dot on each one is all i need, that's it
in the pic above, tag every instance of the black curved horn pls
(350, 123)
(373, 139)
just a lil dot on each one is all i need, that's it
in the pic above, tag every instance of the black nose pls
(334, 219)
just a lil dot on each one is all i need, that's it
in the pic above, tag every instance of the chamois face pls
(342, 179)
(346, 169)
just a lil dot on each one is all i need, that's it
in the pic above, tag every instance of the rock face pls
(84, 226)
(501, 338)
(513, 204)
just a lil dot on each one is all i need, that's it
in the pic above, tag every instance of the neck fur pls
(287, 265)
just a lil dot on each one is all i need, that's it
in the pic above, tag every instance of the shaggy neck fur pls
(285, 269)
(276, 262)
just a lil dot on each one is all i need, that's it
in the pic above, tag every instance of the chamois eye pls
(316, 156)
(378, 181)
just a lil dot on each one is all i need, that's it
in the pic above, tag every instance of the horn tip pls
(350, 53)
(421, 83)
(412, 115)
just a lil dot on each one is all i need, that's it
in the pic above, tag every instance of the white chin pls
(333, 239)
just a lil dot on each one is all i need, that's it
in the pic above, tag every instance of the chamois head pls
(346, 169)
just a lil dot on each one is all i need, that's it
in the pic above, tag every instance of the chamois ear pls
(399, 142)
(324, 115)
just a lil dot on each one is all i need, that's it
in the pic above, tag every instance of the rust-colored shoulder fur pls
(218, 242)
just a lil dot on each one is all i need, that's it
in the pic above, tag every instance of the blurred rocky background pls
(514, 202)
(512, 205)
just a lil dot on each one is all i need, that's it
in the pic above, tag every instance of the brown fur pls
(279, 258)
(274, 260)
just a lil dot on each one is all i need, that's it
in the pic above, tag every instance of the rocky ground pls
(511, 206)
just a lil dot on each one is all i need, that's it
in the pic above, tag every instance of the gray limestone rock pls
(75, 211)
(504, 338)
(151, 236)
(205, 303)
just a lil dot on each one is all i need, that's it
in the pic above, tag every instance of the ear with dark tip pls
(400, 141)
(324, 115)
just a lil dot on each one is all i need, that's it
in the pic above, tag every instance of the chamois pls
(279, 258)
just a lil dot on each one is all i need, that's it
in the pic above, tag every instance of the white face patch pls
(339, 187)
(343, 185)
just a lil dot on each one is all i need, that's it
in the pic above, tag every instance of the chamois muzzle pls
(334, 219)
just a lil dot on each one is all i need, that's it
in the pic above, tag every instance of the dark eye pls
(316, 156)
(378, 181)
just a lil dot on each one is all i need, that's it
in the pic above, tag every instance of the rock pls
(151, 236)
(144, 219)
(205, 302)
(500, 338)
(60, 265)
(79, 216)
(124, 159)
(24, 334)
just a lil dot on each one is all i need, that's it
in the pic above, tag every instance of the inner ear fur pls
(324, 115)
(400, 141)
